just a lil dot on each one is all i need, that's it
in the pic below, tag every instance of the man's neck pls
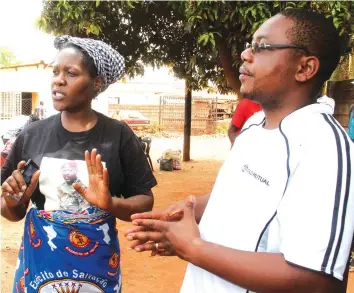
(287, 105)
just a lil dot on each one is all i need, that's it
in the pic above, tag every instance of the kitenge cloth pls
(64, 252)
(109, 63)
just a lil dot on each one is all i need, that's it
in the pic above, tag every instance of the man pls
(69, 198)
(244, 110)
(40, 111)
(280, 216)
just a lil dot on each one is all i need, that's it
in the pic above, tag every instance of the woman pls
(92, 171)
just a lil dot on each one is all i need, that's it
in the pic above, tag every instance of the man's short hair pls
(318, 34)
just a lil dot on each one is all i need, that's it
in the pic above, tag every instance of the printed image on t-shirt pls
(56, 184)
(69, 198)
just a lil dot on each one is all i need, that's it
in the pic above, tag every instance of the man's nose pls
(247, 55)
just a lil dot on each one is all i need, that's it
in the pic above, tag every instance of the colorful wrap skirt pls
(63, 252)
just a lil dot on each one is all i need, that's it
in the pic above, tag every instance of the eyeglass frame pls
(263, 46)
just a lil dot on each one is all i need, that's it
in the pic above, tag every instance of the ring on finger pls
(156, 246)
(9, 195)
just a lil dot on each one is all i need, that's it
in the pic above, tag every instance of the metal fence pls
(10, 105)
(169, 113)
(13, 104)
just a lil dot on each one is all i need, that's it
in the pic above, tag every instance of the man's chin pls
(246, 94)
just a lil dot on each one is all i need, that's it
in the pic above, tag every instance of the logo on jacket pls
(261, 179)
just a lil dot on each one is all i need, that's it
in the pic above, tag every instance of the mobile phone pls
(28, 171)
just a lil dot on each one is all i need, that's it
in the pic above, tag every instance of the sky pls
(18, 32)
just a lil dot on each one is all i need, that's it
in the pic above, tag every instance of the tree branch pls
(231, 75)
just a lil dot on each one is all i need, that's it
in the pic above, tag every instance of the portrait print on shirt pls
(56, 183)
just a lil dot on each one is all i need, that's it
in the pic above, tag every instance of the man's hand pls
(172, 214)
(168, 238)
(97, 193)
(14, 189)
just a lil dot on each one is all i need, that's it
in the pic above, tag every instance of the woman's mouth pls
(57, 95)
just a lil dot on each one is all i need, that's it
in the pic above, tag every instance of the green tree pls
(200, 40)
(7, 58)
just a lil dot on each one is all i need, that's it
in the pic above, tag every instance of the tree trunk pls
(187, 123)
(231, 73)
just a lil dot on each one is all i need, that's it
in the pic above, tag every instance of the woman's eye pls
(71, 73)
(55, 72)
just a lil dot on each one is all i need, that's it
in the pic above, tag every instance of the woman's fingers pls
(80, 189)
(21, 165)
(13, 182)
(88, 162)
(99, 166)
(93, 161)
(17, 175)
(8, 193)
(95, 166)
(105, 177)
(31, 187)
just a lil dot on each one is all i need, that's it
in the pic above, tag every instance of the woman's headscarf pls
(109, 63)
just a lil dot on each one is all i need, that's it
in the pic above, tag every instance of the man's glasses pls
(257, 47)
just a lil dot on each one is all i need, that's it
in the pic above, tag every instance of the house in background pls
(22, 87)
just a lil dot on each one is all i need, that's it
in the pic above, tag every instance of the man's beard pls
(70, 182)
(266, 102)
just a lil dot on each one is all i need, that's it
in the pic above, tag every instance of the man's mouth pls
(244, 73)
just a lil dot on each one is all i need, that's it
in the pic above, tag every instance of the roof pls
(38, 64)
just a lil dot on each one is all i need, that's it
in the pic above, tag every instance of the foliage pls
(200, 40)
(156, 127)
(7, 58)
(345, 70)
(222, 127)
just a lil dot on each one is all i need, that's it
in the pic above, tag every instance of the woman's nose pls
(58, 79)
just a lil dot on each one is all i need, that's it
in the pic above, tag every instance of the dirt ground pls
(142, 273)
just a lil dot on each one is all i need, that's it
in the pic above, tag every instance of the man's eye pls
(55, 72)
(71, 73)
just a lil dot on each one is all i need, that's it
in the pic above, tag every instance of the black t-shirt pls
(60, 155)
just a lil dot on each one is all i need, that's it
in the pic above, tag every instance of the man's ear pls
(307, 69)
(98, 83)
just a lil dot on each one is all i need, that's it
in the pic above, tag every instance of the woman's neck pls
(78, 121)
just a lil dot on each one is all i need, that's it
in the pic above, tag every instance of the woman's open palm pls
(97, 193)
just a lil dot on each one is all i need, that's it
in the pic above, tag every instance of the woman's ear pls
(98, 83)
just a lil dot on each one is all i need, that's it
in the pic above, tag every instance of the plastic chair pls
(146, 145)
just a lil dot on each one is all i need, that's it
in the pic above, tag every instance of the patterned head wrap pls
(109, 63)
